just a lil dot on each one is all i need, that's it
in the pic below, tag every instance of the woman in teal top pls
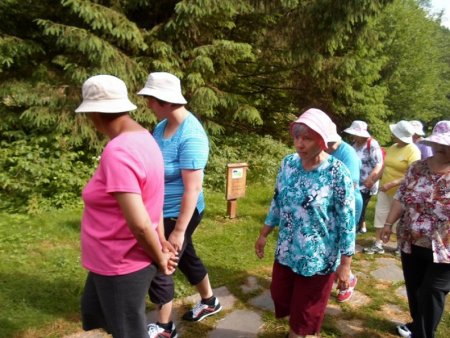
(184, 146)
(314, 208)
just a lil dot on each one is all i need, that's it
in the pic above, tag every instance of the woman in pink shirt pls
(121, 238)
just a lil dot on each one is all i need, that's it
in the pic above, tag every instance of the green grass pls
(41, 278)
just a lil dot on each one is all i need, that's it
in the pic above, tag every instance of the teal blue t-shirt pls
(188, 148)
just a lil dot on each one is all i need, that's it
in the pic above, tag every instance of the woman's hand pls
(368, 183)
(168, 263)
(259, 246)
(386, 233)
(176, 238)
(343, 274)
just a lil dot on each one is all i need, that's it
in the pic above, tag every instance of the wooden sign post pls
(236, 182)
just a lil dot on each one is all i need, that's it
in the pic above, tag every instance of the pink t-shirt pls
(131, 162)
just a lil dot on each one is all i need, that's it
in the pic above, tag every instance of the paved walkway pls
(239, 320)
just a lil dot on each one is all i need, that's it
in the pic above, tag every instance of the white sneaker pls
(156, 331)
(201, 311)
(404, 331)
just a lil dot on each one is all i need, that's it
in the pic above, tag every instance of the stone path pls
(246, 321)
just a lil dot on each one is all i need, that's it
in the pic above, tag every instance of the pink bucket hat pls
(440, 134)
(321, 123)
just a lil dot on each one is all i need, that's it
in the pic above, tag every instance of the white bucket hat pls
(440, 134)
(165, 87)
(403, 130)
(105, 94)
(418, 126)
(358, 128)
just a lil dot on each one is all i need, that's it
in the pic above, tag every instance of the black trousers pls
(427, 285)
(117, 303)
(162, 288)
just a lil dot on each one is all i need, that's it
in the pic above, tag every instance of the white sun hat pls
(358, 128)
(104, 94)
(403, 130)
(418, 126)
(164, 86)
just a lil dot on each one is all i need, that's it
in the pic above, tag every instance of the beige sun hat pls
(403, 130)
(358, 128)
(104, 94)
(164, 86)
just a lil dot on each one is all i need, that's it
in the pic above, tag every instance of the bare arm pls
(140, 225)
(389, 185)
(192, 180)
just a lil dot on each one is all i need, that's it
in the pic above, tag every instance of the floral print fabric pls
(315, 212)
(425, 222)
(370, 157)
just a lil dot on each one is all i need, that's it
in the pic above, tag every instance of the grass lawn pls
(41, 279)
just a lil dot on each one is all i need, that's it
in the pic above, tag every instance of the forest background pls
(248, 67)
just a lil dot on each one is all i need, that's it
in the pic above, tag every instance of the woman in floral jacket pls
(422, 204)
(314, 208)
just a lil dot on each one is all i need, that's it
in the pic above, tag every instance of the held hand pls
(259, 246)
(386, 233)
(176, 238)
(168, 263)
(167, 247)
(343, 276)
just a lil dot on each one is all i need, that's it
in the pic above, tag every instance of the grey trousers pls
(117, 303)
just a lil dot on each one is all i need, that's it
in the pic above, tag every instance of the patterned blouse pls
(370, 157)
(425, 222)
(315, 212)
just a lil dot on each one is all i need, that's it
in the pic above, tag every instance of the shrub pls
(41, 173)
(262, 154)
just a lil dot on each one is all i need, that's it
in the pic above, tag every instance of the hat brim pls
(360, 133)
(163, 96)
(112, 106)
(395, 132)
(441, 139)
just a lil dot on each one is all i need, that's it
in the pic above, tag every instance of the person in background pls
(347, 155)
(314, 208)
(425, 151)
(422, 204)
(370, 154)
(398, 158)
(185, 148)
(120, 242)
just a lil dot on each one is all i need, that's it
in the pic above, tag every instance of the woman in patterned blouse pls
(422, 204)
(314, 208)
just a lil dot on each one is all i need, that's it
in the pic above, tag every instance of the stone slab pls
(238, 324)
(263, 301)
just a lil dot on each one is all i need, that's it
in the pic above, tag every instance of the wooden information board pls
(236, 184)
